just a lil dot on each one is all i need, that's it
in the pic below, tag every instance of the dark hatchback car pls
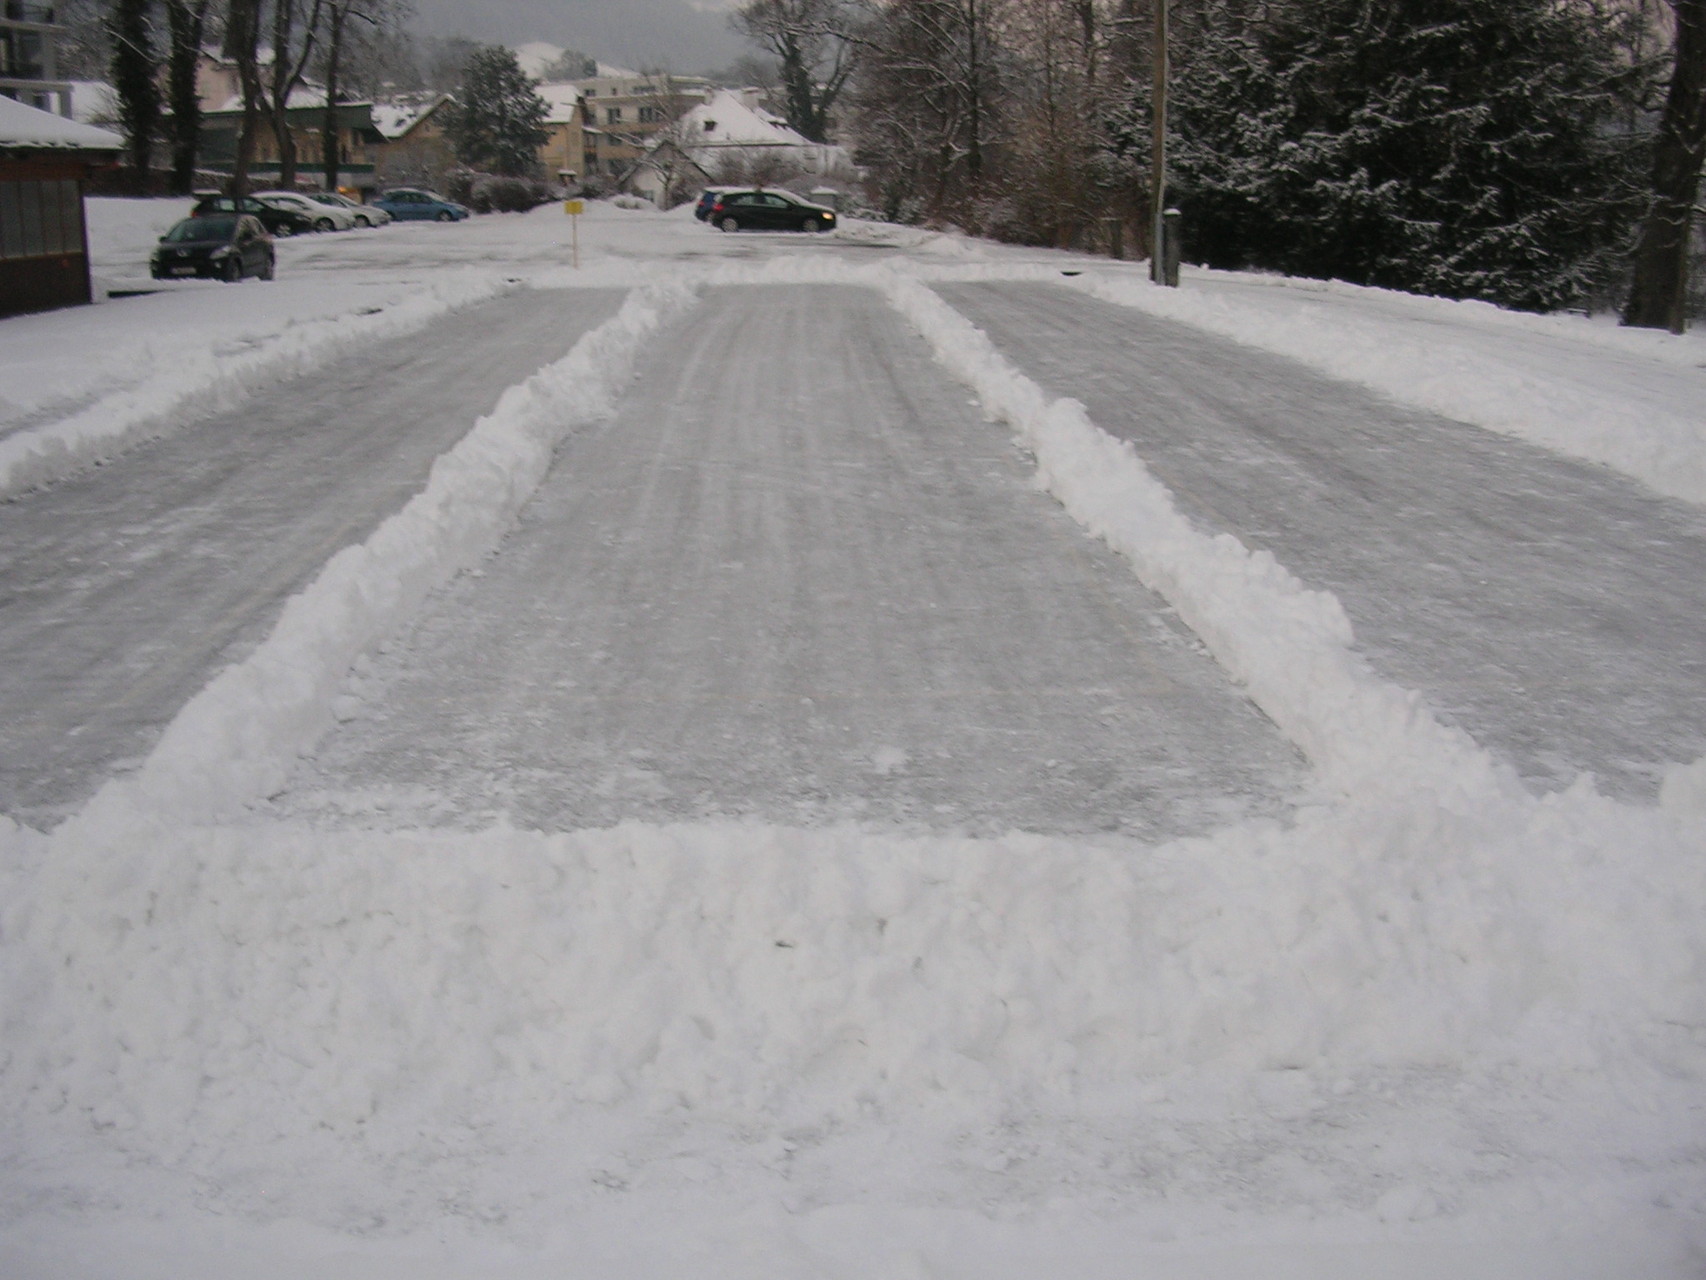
(768, 211)
(278, 221)
(226, 246)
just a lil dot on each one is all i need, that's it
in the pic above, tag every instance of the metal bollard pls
(1171, 231)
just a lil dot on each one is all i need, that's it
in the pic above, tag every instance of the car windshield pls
(202, 229)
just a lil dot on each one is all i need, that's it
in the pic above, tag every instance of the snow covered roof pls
(93, 102)
(561, 99)
(303, 96)
(394, 119)
(726, 120)
(25, 126)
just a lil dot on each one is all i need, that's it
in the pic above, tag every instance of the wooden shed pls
(44, 247)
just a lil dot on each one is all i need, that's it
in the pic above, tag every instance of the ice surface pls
(1550, 607)
(129, 587)
(799, 578)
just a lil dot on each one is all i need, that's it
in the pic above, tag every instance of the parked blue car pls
(409, 202)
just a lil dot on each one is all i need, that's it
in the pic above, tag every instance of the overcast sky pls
(688, 36)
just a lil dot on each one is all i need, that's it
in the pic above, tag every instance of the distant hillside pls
(538, 56)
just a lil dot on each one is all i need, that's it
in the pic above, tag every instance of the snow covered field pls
(1424, 1019)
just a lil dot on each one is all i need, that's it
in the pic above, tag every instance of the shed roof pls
(23, 126)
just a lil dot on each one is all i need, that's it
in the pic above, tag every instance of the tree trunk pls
(278, 99)
(188, 21)
(133, 70)
(329, 130)
(1658, 294)
(242, 38)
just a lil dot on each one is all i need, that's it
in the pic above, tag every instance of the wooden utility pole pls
(1158, 150)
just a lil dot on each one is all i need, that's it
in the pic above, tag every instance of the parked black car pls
(226, 246)
(769, 211)
(278, 221)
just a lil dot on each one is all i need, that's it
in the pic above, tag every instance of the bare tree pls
(297, 26)
(242, 47)
(931, 99)
(812, 42)
(344, 19)
(1658, 295)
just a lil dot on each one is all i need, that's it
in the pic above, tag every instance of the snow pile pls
(1291, 646)
(236, 739)
(192, 381)
(237, 987)
(123, 232)
(1440, 367)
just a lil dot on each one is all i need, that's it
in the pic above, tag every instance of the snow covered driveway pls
(799, 578)
(127, 587)
(1550, 607)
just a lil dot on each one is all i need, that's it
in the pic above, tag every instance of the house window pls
(650, 115)
(710, 126)
(613, 115)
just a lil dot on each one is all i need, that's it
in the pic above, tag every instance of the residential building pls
(414, 150)
(728, 138)
(565, 151)
(358, 141)
(625, 110)
(28, 64)
(44, 245)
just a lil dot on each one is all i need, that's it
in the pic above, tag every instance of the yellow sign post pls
(574, 208)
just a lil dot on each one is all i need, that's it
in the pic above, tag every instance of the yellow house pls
(416, 152)
(565, 150)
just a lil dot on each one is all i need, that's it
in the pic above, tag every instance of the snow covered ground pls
(1407, 1014)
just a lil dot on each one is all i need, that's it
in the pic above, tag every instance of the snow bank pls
(237, 986)
(1413, 353)
(1291, 646)
(237, 739)
(191, 381)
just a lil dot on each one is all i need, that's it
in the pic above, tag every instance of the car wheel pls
(266, 271)
(729, 224)
(232, 271)
(323, 224)
(444, 215)
(362, 220)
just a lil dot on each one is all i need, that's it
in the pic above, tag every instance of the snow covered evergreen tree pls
(1449, 147)
(499, 121)
(135, 67)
